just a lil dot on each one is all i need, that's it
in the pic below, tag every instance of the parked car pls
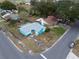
(72, 44)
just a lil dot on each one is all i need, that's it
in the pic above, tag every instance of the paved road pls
(8, 51)
(59, 51)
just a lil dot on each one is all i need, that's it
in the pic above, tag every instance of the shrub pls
(6, 5)
(47, 30)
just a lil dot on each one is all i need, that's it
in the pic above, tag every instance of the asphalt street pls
(8, 51)
(59, 51)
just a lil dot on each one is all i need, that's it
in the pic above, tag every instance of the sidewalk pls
(71, 55)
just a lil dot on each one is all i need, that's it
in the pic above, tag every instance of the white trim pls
(43, 56)
(13, 43)
(42, 21)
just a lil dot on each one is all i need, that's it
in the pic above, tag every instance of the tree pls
(75, 12)
(66, 10)
(33, 2)
(44, 8)
(7, 5)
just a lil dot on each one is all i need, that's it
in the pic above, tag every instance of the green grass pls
(31, 44)
(58, 31)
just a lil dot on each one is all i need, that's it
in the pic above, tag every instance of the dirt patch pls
(30, 44)
(76, 48)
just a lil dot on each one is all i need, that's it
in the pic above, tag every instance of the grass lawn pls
(58, 30)
(49, 38)
(76, 48)
(31, 45)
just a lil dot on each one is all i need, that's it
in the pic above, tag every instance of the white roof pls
(42, 21)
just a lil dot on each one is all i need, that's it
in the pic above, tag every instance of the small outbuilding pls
(9, 15)
(50, 20)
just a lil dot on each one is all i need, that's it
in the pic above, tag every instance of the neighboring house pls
(9, 15)
(50, 20)
(4, 13)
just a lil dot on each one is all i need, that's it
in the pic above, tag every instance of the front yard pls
(50, 37)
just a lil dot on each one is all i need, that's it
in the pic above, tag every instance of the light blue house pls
(28, 28)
